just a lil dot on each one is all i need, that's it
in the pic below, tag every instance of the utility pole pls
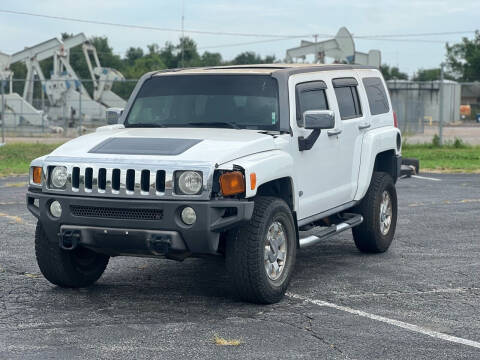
(440, 104)
(2, 85)
(79, 110)
(182, 41)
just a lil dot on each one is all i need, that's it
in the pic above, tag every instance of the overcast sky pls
(361, 17)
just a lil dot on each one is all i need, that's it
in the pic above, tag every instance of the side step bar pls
(351, 220)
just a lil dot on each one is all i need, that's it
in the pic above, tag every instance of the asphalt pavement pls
(419, 300)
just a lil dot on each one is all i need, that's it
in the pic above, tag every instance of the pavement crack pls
(309, 329)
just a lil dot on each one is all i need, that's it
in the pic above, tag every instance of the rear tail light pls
(395, 121)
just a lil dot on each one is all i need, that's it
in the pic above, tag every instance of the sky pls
(361, 17)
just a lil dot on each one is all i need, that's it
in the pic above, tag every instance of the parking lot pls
(419, 300)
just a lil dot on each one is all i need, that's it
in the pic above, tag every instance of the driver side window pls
(310, 96)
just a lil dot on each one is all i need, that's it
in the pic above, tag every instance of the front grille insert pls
(118, 181)
(116, 213)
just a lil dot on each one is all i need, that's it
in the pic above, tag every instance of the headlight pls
(58, 177)
(189, 182)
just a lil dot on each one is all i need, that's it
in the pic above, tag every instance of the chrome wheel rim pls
(275, 253)
(385, 213)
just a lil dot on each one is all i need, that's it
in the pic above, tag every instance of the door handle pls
(334, 132)
(364, 126)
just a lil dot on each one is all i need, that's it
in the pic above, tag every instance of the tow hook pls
(159, 245)
(69, 239)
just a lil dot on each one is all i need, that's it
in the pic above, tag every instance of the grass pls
(452, 157)
(15, 158)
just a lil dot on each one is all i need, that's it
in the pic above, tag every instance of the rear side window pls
(310, 96)
(377, 96)
(347, 98)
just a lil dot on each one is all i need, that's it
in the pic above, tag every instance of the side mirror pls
(113, 115)
(318, 119)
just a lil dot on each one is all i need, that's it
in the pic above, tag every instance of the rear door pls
(354, 123)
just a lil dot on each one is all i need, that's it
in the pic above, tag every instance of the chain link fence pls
(71, 107)
(417, 103)
(59, 107)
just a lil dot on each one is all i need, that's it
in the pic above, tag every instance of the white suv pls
(245, 162)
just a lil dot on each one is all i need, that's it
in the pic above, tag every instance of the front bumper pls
(118, 234)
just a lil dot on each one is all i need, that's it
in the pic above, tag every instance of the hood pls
(215, 146)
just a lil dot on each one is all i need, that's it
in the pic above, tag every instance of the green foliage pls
(392, 73)
(448, 158)
(431, 75)
(15, 158)
(436, 141)
(459, 144)
(463, 59)
(136, 62)
(249, 57)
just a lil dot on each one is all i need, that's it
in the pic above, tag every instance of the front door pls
(327, 173)
(316, 170)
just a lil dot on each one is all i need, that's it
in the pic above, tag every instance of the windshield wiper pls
(213, 124)
(189, 124)
(145, 125)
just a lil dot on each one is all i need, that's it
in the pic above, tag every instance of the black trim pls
(397, 167)
(306, 87)
(307, 144)
(346, 81)
(213, 217)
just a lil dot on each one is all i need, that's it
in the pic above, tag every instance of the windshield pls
(233, 101)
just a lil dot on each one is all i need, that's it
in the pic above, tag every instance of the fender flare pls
(375, 142)
(267, 166)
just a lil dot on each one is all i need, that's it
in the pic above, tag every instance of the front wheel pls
(76, 268)
(260, 256)
(379, 211)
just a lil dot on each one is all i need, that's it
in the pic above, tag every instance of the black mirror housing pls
(113, 115)
(319, 119)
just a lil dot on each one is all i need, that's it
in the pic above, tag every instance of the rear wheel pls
(260, 255)
(76, 268)
(379, 211)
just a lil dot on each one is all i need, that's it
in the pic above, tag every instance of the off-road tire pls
(67, 268)
(245, 248)
(368, 236)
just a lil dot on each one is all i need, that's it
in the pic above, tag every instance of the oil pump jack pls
(341, 49)
(67, 97)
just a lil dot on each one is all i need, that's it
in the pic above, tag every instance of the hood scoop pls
(144, 146)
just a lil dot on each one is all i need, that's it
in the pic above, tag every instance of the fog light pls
(188, 215)
(56, 209)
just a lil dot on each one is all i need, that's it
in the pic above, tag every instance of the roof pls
(284, 69)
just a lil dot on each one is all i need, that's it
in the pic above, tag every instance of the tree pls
(133, 54)
(430, 75)
(463, 59)
(249, 57)
(392, 73)
(211, 59)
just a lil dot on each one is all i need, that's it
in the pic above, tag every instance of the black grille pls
(116, 213)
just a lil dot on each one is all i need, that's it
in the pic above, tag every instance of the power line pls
(419, 34)
(206, 32)
(142, 27)
(247, 43)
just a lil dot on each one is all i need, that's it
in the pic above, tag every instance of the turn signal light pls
(253, 181)
(37, 175)
(232, 183)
